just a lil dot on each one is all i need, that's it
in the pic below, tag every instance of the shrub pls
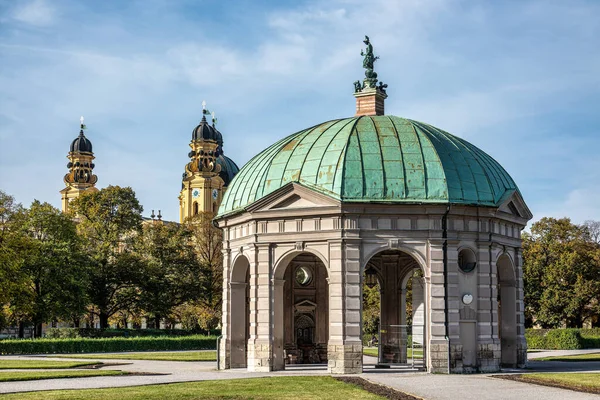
(536, 338)
(103, 333)
(106, 345)
(564, 339)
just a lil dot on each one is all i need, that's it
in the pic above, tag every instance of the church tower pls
(208, 173)
(80, 177)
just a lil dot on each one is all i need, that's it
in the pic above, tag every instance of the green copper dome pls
(381, 159)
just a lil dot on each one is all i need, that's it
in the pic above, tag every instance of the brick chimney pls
(370, 102)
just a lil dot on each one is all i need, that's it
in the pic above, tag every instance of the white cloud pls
(36, 12)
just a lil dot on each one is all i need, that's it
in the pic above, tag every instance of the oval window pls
(303, 276)
(466, 260)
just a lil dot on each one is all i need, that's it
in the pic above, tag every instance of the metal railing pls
(402, 345)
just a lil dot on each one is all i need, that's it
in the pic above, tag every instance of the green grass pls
(578, 357)
(370, 351)
(162, 356)
(43, 364)
(292, 388)
(36, 375)
(587, 382)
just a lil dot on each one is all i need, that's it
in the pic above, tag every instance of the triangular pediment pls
(294, 201)
(293, 197)
(516, 207)
(305, 306)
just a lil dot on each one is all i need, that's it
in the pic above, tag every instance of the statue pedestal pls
(370, 101)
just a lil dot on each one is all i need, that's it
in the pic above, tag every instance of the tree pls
(11, 239)
(560, 274)
(371, 309)
(592, 230)
(109, 220)
(172, 274)
(51, 275)
(208, 244)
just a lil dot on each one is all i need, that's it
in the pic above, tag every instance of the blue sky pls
(519, 79)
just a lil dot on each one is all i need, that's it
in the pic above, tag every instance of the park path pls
(427, 386)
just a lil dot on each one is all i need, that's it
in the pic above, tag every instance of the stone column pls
(418, 310)
(278, 325)
(490, 355)
(344, 349)
(259, 344)
(402, 319)
(438, 347)
(225, 349)
(454, 301)
(521, 342)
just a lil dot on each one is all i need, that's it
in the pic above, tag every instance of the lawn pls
(43, 364)
(157, 356)
(584, 382)
(35, 375)
(296, 388)
(578, 357)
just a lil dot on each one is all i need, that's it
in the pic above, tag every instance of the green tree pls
(11, 240)
(108, 222)
(172, 274)
(560, 274)
(371, 309)
(52, 272)
(208, 244)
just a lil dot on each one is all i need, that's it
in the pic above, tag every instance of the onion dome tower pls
(209, 171)
(80, 177)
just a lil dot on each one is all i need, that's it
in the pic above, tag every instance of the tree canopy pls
(108, 222)
(561, 273)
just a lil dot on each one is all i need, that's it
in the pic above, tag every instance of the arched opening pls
(394, 310)
(195, 208)
(300, 311)
(507, 311)
(239, 312)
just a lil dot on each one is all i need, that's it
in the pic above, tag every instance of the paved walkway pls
(427, 386)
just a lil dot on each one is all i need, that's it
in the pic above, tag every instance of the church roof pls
(384, 159)
(228, 169)
(81, 144)
(205, 131)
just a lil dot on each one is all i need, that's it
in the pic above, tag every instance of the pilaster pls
(344, 350)
(259, 345)
(438, 349)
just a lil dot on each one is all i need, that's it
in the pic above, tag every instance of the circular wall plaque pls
(467, 298)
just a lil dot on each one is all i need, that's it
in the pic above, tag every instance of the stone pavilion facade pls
(372, 198)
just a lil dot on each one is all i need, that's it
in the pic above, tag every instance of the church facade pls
(381, 200)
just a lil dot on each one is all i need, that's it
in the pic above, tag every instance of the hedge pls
(106, 345)
(563, 339)
(105, 333)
